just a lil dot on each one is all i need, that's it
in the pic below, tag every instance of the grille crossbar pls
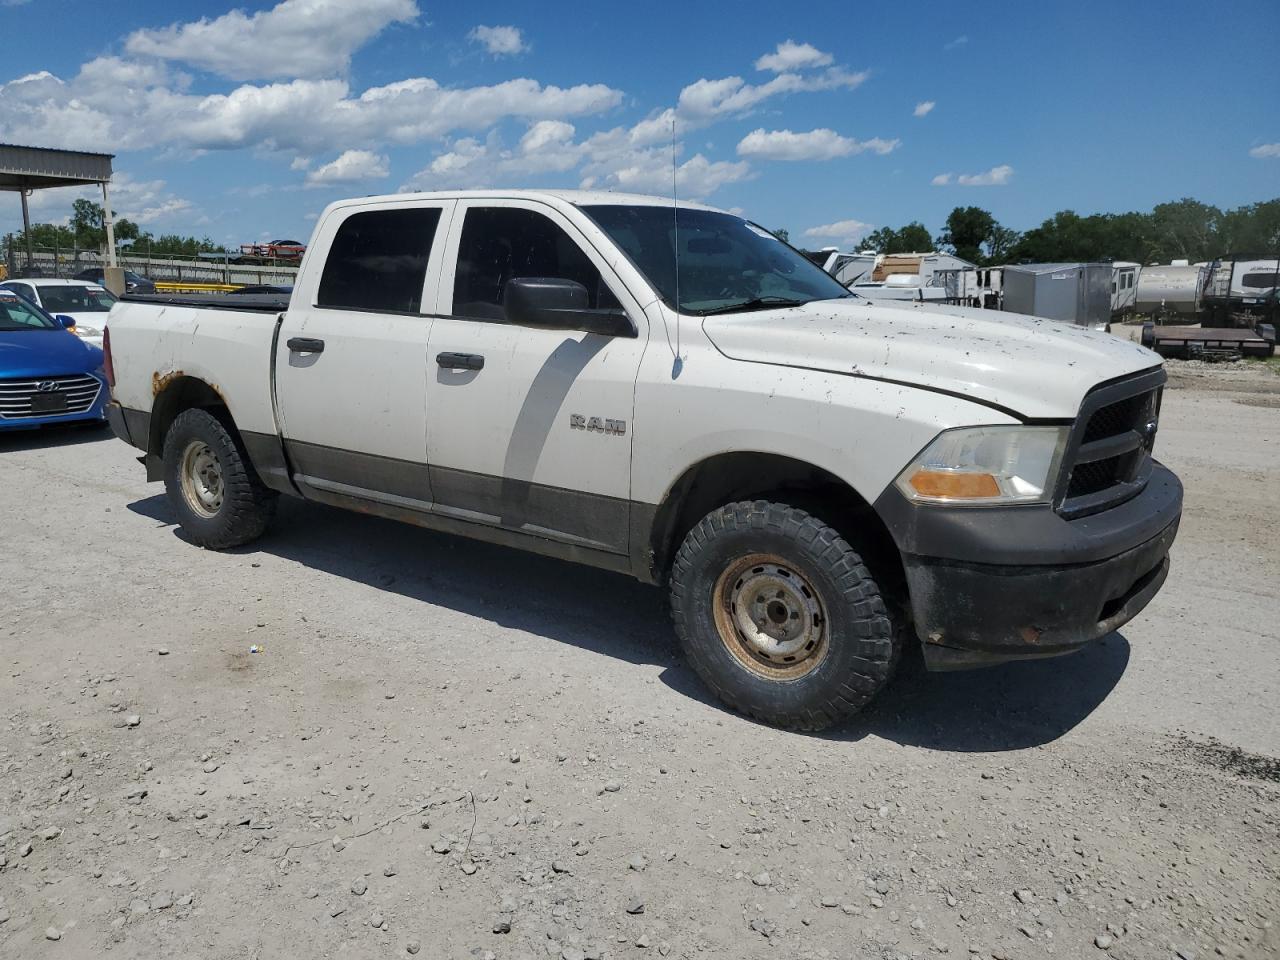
(18, 397)
(1109, 458)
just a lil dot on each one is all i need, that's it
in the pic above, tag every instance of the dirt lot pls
(450, 748)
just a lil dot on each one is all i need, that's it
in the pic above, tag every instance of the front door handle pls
(460, 361)
(306, 345)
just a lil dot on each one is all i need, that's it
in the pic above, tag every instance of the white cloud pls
(499, 41)
(959, 41)
(548, 149)
(923, 108)
(650, 172)
(820, 144)
(638, 157)
(352, 166)
(790, 55)
(1265, 150)
(142, 201)
(842, 230)
(296, 38)
(291, 103)
(705, 100)
(995, 177)
(302, 116)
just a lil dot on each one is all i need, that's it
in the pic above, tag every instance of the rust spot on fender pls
(160, 381)
(1030, 634)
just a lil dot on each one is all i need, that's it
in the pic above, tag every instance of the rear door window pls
(501, 243)
(378, 261)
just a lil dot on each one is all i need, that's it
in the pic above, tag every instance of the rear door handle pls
(460, 361)
(306, 345)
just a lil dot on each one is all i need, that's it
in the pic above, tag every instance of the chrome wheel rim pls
(202, 483)
(770, 617)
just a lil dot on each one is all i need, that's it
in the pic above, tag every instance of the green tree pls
(913, 238)
(1186, 228)
(1251, 229)
(1000, 243)
(87, 224)
(967, 230)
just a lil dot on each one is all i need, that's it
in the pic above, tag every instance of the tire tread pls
(870, 625)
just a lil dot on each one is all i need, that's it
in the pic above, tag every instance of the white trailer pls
(1124, 286)
(1168, 290)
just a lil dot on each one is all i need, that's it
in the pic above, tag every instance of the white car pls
(86, 303)
(817, 480)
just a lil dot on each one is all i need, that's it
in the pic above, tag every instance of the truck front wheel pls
(780, 617)
(218, 497)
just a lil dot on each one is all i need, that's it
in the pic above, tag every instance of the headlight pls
(986, 465)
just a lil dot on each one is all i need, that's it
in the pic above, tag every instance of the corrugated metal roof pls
(35, 168)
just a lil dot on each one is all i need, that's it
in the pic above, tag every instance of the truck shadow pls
(1010, 707)
(54, 435)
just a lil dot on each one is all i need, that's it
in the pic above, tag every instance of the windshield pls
(75, 299)
(17, 314)
(726, 263)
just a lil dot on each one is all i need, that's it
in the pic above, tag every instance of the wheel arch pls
(748, 475)
(173, 395)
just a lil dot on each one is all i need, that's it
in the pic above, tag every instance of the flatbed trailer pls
(1195, 342)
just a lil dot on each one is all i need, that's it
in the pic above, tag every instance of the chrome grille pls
(18, 398)
(1109, 459)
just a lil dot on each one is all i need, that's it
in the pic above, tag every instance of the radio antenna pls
(675, 222)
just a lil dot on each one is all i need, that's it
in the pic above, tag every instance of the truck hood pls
(1036, 368)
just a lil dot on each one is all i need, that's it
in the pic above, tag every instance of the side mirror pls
(556, 304)
(68, 323)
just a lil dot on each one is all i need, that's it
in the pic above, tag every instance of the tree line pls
(85, 230)
(1182, 229)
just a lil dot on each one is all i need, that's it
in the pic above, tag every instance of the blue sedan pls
(47, 374)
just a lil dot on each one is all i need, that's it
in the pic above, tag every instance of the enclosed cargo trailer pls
(1078, 293)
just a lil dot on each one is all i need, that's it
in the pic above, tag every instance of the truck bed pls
(250, 302)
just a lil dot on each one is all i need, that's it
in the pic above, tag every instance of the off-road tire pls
(246, 507)
(862, 646)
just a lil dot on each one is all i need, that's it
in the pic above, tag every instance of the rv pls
(1124, 286)
(1238, 291)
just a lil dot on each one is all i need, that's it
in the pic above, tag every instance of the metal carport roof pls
(23, 169)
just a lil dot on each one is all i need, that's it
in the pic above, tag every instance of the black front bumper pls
(995, 584)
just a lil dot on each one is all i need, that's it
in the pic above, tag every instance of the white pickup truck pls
(673, 393)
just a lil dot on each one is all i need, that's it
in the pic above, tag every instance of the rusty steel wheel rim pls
(770, 617)
(200, 472)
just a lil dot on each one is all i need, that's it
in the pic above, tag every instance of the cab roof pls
(579, 198)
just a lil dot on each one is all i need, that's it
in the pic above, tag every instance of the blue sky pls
(805, 116)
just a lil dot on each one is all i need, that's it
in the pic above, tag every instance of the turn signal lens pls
(954, 485)
(987, 465)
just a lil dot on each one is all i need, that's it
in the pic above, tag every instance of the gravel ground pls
(446, 748)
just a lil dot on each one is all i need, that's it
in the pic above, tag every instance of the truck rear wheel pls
(218, 497)
(779, 616)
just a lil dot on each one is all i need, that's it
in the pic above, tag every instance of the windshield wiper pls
(756, 303)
